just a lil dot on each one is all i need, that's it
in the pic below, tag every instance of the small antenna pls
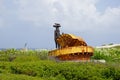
(25, 46)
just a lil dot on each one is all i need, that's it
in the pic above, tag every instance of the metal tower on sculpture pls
(56, 34)
(70, 47)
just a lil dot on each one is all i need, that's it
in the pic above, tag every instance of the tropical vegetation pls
(36, 65)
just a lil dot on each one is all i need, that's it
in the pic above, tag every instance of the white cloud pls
(37, 12)
(109, 20)
(111, 16)
(73, 15)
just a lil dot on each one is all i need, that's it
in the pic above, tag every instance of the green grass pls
(9, 76)
(118, 47)
(36, 65)
(108, 54)
(49, 70)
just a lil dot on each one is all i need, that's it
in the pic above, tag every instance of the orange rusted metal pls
(72, 48)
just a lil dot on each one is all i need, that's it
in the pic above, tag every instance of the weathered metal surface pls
(56, 34)
(72, 48)
(68, 40)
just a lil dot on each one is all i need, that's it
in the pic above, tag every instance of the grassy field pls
(108, 54)
(36, 65)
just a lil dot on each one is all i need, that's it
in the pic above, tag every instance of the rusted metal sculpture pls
(56, 34)
(71, 47)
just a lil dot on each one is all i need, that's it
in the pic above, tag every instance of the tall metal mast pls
(56, 34)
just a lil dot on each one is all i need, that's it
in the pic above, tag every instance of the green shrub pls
(108, 54)
(26, 58)
(35, 65)
(17, 77)
(20, 55)
(43, 54)
(49, 70)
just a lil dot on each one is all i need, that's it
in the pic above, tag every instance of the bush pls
(43, 54)
(49, 70)
(20, 55)
(26, 58)
(35, 65)
(17, 77)
(110, 54)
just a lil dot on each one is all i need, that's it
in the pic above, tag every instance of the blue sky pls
(30, 21)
